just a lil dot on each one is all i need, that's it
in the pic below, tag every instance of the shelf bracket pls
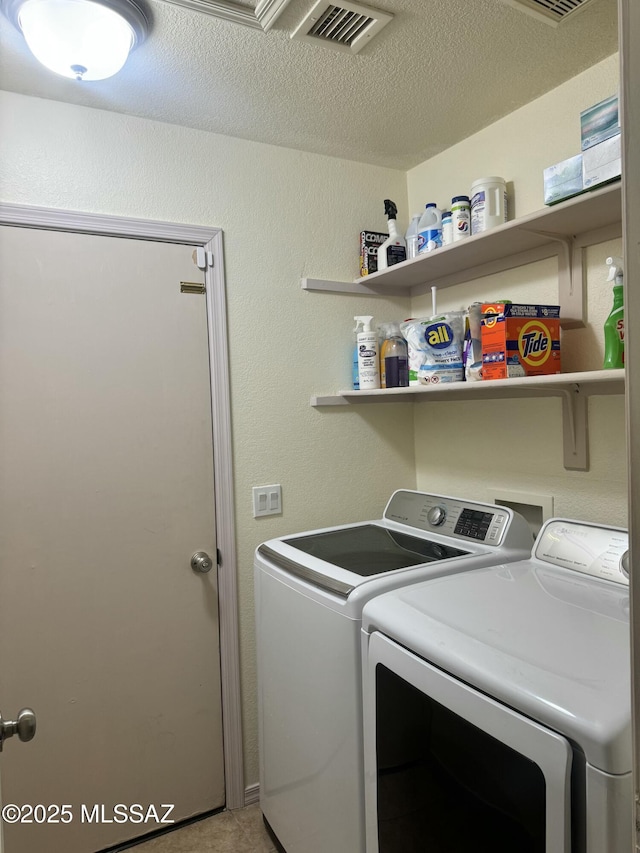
(575, 429)
(572, 289)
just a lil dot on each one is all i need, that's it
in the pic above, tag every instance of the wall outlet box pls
(563, 180)
(599, 122)
(602, 163)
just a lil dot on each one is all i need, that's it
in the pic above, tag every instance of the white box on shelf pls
(602, 162)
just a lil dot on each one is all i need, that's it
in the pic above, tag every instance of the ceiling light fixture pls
(80, 39)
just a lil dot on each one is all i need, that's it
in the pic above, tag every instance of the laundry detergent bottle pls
(430, 229)
(355, 370)
(614, 324)
(394, 364)
(368, 359)
(394, 249)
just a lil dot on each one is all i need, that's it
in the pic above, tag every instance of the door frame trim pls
(210, 239)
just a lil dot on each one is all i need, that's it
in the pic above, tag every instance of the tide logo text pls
(534, 343)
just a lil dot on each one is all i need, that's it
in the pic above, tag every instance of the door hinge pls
(192, 287)
(203, 258)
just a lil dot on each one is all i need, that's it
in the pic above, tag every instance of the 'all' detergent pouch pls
(435, 348)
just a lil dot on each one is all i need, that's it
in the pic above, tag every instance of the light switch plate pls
(267, 500)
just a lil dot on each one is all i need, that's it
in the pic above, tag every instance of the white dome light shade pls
(80, 39)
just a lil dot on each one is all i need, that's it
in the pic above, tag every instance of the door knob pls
(24, 726)
(201, 562)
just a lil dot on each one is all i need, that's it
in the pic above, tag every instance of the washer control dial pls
(436, 515)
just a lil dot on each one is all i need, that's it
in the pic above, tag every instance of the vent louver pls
(343, 26)
(550, 11)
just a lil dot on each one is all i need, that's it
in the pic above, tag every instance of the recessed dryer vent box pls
(535, 509)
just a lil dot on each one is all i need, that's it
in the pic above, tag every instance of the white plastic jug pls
(488, 204)
(411, 237)
(430, 229)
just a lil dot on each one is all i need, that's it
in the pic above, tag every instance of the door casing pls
(210, 239)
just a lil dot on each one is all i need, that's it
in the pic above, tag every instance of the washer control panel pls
(475, 523)
(459, 519)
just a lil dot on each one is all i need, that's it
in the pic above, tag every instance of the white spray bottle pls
(394, 248)
(368, 360)
(355, 373)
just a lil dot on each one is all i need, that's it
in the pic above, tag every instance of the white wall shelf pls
(573, 388)
(563, 230)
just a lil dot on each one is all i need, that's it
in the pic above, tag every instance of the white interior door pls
(106, 491)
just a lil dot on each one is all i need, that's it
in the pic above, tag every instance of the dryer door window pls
(449, 768)
(445, 784)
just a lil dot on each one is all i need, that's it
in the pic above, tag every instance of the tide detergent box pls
(519, 340)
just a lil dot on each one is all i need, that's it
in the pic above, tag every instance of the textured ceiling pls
(440, 71)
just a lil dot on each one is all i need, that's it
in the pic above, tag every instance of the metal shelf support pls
(575, 429)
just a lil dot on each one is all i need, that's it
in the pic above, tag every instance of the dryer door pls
(447, 767)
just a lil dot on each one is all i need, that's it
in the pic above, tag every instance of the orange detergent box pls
(519, 340)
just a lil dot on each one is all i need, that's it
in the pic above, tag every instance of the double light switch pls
(267, 500)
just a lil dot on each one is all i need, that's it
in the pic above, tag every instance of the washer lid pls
(551, 643)
(371, 549)
(340, 560)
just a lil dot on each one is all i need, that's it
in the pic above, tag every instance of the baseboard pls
(252, 794)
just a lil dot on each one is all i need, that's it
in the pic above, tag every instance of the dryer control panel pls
(466, 520)
(587, 548)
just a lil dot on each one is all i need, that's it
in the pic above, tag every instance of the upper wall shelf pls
(563, 230)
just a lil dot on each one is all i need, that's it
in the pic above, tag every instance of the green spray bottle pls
(614, 324)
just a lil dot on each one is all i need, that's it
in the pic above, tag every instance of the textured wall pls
(518, 147)
(285, 214)
(517, 444)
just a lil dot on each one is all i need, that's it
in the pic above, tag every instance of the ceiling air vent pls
(343, 26)
(550, 11)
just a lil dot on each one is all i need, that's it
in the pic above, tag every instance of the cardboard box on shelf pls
(369, 242)
(599, 122)
(519, 340)
(602, 163)
(563, 180)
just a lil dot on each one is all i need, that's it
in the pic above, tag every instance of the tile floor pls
(240, 831)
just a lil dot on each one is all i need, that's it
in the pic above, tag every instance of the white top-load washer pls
(310, 591)
(511, 686)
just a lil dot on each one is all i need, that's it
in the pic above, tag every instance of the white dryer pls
(497, 704)
(310, 591)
